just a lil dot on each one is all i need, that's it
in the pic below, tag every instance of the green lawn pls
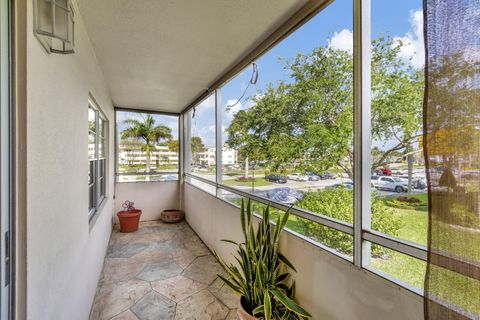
(412, 271)
(414, 220)
(231, 173)
(414, 228)
(258, 183)
(403, 267)
(415, 225)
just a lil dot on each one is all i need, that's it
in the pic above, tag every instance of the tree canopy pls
(147, 132)
(309, 119)
(196, 145)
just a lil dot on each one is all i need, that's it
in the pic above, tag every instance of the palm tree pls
(147, 132)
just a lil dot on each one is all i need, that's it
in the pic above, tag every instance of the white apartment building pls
(131, 155)
(229, 156)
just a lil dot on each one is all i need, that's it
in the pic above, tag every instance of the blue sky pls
(169, 121)
(333, 26)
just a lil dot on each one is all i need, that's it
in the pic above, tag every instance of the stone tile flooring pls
(162, 271)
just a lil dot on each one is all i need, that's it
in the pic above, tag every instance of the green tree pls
(173, 145)
(196, 145)
(195, 142)
(309, 120)
(148, 133)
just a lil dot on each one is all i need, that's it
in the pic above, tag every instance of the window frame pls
(187, 135)
(96, 181)
(8, 152)
(117, 150)
(363, 235)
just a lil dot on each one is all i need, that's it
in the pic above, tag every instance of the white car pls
(168, 177)
(390, 183)
(297, 177)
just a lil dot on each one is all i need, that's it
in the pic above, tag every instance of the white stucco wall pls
(329, 287)
(150, 197)
(64, 253)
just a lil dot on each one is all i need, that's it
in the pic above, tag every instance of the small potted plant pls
(262, 277)
(129, 217)
(172, 215)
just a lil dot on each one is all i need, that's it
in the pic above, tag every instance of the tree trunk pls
(410, 171)
(147, 153)
(147, 158)
(246, 167)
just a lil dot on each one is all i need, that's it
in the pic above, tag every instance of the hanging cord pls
(253, 80)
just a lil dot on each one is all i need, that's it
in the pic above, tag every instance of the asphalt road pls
(299, 185)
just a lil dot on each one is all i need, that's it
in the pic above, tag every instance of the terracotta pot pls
(172, 215)
(129, 220)
(241, 313)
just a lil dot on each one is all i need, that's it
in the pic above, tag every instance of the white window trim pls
(166, 172)
(99, 199)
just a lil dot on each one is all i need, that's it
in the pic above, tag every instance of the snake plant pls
(261, 275)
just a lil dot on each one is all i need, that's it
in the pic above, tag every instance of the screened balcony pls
(358, 118)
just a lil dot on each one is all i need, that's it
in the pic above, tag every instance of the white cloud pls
(206, 134)
(342, 40)
(123, 115)
(206, 105)
(174, 126)
(413, 47)
(232, 106)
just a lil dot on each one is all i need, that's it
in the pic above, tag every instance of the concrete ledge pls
(328, 286)
(151, 197)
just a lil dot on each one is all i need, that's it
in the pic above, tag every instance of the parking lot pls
(303, 186)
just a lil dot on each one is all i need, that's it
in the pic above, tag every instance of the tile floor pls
(162, 271)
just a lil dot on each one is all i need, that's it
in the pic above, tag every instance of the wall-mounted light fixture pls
(54, 25)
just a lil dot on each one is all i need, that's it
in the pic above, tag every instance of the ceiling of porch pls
(160, 55)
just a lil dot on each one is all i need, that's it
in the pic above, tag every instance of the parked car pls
(276, 178)
(384, 172)
(327, 176)
(417, 182)
(199, 167)
(312, 176)
(420, 184)
(390, 183)
(297, 177)
(347, 185)
(284, 195)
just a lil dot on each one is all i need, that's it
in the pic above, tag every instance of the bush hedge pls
(338, 203)
(405, 202)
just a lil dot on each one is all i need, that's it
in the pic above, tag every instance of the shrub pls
(410, 203)
(408, 199)
(232, 174)
(338, 203)
(245, 179)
